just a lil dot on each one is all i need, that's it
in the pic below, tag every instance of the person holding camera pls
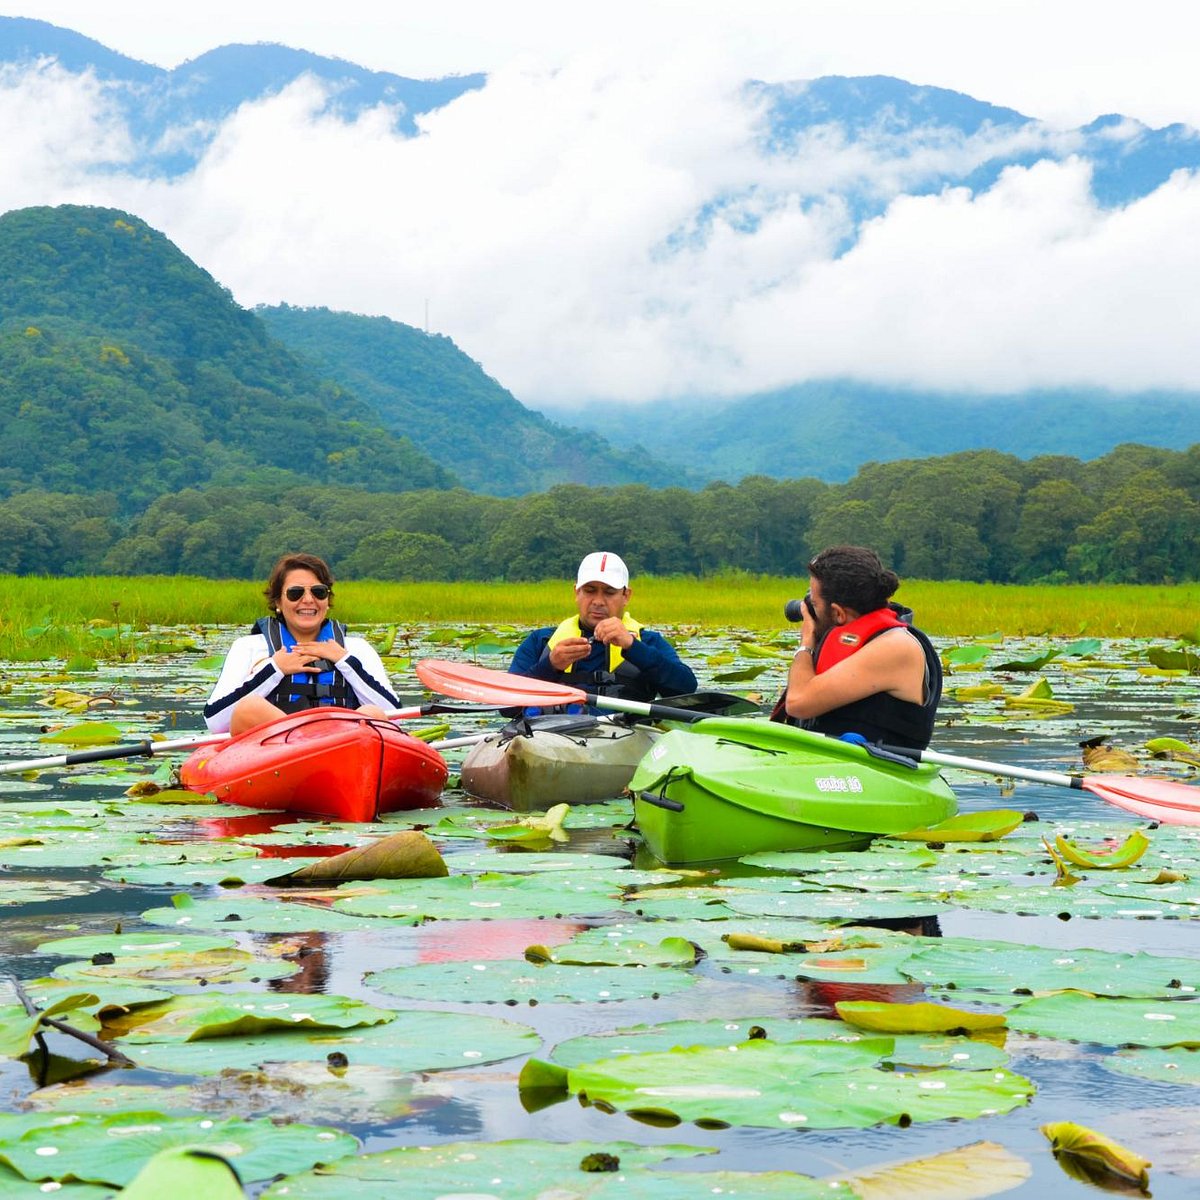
(862, 666)
(297, 657)
(600, 647)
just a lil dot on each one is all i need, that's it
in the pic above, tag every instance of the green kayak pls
(727, 786)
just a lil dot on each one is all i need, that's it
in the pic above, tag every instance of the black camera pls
(794, 609)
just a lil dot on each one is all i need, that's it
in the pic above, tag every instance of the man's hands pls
(610, 631)
(570, 651)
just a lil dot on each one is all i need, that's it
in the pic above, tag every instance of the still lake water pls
(1111, 697)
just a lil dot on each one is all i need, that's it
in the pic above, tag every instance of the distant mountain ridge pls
(427, 389)
(174, 114)
(829, 428)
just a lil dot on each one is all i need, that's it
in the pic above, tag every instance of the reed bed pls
(44, 617)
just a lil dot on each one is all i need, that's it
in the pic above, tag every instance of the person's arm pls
(532, 657)
(658, 661)
(364, 671)
(247, 671)
(893, 662)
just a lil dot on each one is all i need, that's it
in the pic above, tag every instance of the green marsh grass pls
(47, 618)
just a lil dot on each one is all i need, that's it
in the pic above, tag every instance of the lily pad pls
(1172, 1064)
(924, 1050)
(257, 914)
(40, 891)
(466, 897)
(881, 857)
(502, 982)
(201, 967)
(241, 1014)
(313, 1092)
(797, 1085)
(1006, 967)
(112, 1148)
(881, 1017)
(1110, 1022)
(227, 874)
(418, 1040)
(967, 827)
(671, 951)
(580, 1170)
(132, 943)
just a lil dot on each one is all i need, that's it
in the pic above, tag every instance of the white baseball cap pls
(603, 567)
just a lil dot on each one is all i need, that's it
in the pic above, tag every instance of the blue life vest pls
(306, 689)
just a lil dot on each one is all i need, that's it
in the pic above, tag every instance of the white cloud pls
(612, 230)
(55, 128)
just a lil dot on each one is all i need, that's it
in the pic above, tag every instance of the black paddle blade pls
(714, 704)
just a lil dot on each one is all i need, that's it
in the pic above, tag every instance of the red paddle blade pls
(468, 682)
(1159, 799)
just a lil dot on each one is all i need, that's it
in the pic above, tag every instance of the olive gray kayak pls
(538, 762)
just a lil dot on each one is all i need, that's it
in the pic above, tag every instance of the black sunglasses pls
(319, 592)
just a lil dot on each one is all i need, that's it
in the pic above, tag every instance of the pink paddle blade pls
(468, 682)
(1163, 800)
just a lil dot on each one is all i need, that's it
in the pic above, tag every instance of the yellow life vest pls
(570, 629)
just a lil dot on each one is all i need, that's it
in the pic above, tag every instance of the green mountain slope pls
(828, 429)
(125, 368)
(425, 387)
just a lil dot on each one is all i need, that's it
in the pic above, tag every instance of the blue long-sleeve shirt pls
(661, 672)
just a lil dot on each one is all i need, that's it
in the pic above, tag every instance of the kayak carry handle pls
(892, 754)
(661, 802)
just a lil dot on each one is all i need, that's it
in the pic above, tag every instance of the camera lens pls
(793, 610)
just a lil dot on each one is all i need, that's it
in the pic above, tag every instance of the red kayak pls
(323, 762)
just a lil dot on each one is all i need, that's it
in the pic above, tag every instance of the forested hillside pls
(1132, 516)
(126, 369)
(427, 389)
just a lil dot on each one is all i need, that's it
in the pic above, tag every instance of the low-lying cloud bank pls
(629, 233)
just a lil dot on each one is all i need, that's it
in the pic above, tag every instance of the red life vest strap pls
(844, 640)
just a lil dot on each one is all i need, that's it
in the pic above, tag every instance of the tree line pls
(1132, 516)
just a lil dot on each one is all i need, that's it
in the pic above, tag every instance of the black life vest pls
(306, 690)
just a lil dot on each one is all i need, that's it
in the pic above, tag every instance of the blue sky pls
(552, 222)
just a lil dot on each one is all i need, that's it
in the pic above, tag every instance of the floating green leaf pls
(984, 826)
(258, 914)
(1007, 967)
(17, 1028)
(465, 897)
(796, 1085)
(504, 981)
(880, 1017)
(966, 656)
(241, 1014)
(112, 1148)
(671, 951)
(185, 1170)
(418, 1040)
(521, 1169)
(1111, 1022)
(90, 733)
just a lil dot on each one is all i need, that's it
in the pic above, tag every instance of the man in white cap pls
(601, 647)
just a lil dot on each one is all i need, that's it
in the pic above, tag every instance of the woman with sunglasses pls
(297, 657)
